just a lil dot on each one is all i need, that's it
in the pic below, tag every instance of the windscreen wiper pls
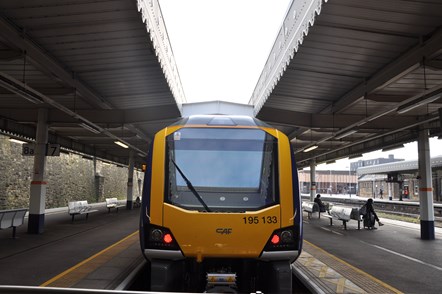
(191, 188)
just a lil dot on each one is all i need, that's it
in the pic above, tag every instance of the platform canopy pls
(104, 69)
(349, 77)
(346, 76)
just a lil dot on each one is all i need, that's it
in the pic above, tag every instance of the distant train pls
(221, 207)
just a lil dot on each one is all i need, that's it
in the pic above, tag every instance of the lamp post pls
(330, 183)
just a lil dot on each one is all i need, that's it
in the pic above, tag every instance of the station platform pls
(101, 252)
(97, 253)
(389, 259)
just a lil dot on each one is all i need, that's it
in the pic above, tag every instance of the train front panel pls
(221, 192)
(244, 208)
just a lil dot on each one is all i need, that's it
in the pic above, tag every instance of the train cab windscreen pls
(224, 169)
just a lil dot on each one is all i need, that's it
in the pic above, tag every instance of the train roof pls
(222, 120)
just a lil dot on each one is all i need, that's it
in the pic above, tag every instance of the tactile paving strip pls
(334, 275)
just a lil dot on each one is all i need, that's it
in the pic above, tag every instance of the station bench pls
(80, 207)
(112, 203)
(310, 208)
(12, 218)
(344, 214)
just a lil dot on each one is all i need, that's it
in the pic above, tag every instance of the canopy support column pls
(130, 181)
(425, 187)
(38, 184)
(312, 179)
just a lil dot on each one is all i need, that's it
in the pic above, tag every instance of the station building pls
(329, 181)
(396, 178)
(361, 163)
(399, 180)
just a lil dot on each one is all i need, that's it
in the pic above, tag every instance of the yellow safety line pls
(356, 269)
(86, 260)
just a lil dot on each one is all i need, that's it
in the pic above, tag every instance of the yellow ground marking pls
(356, 269)
(329, 275)
(323, 271)
(341, 285)
(310, 261)
(344, 285)
(97, 258)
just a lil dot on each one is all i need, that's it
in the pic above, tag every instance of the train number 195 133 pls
(255, 220)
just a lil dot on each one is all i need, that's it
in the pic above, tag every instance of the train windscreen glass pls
(231, 169)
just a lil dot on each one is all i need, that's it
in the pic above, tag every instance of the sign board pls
(28, 149)
(53, 150)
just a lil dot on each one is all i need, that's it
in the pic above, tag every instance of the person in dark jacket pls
(369, 210)
(137, 202)
(322, 207)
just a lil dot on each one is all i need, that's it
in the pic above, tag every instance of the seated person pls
(137, 202)
(369, 215)
(323, 207)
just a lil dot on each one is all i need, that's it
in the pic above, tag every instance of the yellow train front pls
(221, 207)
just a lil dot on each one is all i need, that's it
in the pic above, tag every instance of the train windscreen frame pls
(231, 169)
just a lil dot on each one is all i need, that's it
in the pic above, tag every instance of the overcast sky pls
(409, 152)
(221, 46)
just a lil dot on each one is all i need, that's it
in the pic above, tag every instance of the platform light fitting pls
(311, 148)
(330, 161)
(29, 97)
(414, 104)
(392, 147)
(348, 133)
(355, 156)
(362, 122)
(17, 87)
(89, 128)
(17, 141)
(121, 144)
(378, 115)
(440, 122)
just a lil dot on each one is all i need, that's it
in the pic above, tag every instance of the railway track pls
(138, 280)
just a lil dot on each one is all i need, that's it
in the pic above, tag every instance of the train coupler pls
(221, 282)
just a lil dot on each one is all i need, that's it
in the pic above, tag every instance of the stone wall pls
(69, 177)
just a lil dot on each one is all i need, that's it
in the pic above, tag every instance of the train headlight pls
(286, 236)
(156, 235)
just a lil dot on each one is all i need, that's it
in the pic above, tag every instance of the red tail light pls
(167, 238)
(275, 239)
(157, 237)
(282, 239)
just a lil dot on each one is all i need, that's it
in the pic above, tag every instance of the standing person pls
(381, 193)
(370, 215)
(322, 207)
